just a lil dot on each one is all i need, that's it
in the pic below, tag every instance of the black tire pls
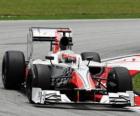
(119, 80)
(96, 56)
(29, 86)
(42, 76)
(13, 69)
(41, 80)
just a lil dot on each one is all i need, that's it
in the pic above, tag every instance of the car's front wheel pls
(41, 79)
(119, 80)
(13, 69)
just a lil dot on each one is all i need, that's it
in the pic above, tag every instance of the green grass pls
(136, 83)
(69, 9)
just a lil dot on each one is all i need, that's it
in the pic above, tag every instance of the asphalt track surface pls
(110, 38)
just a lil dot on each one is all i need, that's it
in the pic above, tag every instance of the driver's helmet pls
(64, 43)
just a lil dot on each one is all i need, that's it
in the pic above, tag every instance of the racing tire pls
(119, 80)
(13, 69)
(42, 76)
(96, 56)
(29, 86)
(41, 79)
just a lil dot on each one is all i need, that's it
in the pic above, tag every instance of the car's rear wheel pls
(41, 79)
(13, 69)
(94, 55)
(119, 80)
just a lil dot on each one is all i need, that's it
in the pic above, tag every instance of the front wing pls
(40, 96)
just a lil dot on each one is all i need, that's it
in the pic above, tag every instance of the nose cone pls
(81, 79)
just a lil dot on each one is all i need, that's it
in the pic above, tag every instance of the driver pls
(65, 54)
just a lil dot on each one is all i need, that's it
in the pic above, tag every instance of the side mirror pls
(89, 58)
(49, 57)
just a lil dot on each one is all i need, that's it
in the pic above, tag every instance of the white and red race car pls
(67, 77)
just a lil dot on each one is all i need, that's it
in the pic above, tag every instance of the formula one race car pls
(67, 77)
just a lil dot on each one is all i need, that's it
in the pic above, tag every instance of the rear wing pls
(48, 34)
(52, 35)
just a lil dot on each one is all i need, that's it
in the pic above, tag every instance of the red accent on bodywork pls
(106, 72)
(56, 47)
(98, 97)
(92, 84)
(76, 81)
(133, 72)
(108, 69)
(137, 100)
(66, 55)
